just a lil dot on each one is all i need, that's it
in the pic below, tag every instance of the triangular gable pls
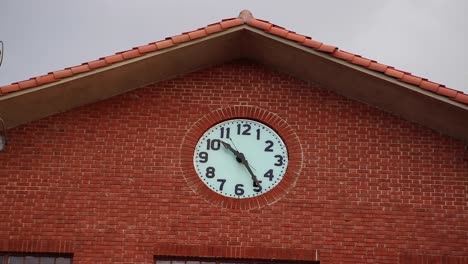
(399, 92)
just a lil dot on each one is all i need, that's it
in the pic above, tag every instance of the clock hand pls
(232, 141)
(244, 161)
(228, 146)
(246, 164)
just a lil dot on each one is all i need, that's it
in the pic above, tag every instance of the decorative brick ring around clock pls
(273, 121)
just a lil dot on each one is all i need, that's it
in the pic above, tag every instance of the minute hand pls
(246, 164)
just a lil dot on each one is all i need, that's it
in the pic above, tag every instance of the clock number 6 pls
(238, 190)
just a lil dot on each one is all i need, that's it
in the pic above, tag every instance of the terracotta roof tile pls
(28, 83)
(9, 88)
(44, 79)
(375, 66)
(114, 58)
(279, 31)
(344, 55)
(131, 54)
(430, 86)
(62, 73)
(147, 48)
(259, 24)
(97, 64)
(164, 44)
(295, 37)
(411, 79)
(244, 18)
(197, 34)
(229, 23)
(180, 38)
(394, 73)
(213, 28)
(462, 98)
(447, 92)
(327, 48)
(80, 69)
(312, 43)
(361, 61)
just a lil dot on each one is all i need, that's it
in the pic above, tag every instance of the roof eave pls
(244, 41)
(35, 103)
(374, 88)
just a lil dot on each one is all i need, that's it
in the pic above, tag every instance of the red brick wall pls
(104, 181)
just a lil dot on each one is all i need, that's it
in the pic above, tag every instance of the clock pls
(240, 158)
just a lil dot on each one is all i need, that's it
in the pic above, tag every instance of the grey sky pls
(425, 37)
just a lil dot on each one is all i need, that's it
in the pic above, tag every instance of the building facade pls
(114, 180)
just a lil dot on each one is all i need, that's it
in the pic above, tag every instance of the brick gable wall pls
(104, 181)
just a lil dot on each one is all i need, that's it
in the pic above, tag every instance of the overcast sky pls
(425, 37)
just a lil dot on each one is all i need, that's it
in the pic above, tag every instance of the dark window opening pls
(19, 258)
(195, 260)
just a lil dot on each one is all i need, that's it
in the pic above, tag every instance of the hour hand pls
(230, 148)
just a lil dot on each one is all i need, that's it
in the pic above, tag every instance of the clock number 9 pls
(203, 157)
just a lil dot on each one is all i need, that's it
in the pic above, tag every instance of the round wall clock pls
(241, 157)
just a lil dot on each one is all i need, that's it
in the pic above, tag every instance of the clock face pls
(240, 158)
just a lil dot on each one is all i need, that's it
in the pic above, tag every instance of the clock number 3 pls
(279, 162)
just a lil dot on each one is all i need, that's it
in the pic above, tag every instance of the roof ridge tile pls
(412, 79)
(164, 44)
(265, 25)
(27, 83)
(133, 53)
(312, 43)
(60, 74)
(231, 23)
(462, 98)
(80, 68)
(344, 55)
(279, 31)
(448, 92)
(213, 28)
(97, 64)
(361, 61)
(200, 33)
(295, 37)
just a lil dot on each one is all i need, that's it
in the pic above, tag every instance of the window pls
(179, 260)
(15, 258)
